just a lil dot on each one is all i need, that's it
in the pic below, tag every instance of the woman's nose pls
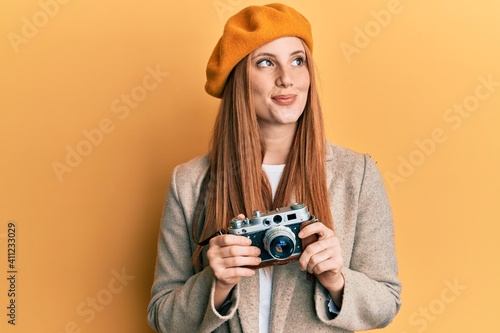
(284, 78)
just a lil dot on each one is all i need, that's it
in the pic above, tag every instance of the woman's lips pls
(284, 99)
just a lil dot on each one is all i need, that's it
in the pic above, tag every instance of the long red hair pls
(235, 179)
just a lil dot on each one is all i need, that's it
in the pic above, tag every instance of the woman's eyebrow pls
(273, 55)
(263, 54)
(297, 52)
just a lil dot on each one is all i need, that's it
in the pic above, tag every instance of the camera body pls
(276, 233)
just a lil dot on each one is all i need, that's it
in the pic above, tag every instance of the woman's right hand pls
(226, 256)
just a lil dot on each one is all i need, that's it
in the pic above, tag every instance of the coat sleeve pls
(372, 290)
(182, 300)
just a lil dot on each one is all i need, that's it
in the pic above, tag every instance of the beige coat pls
(182, 300)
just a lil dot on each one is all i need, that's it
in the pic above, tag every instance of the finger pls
(228, 269)
(319, 258)
(227, 240)
(239, 262)
(241, 271)
(316, 228)
(304, 260)
(322, 244)
(238, 251)
(235, 273)
(232, 276)
(332, 265)
(331, 245)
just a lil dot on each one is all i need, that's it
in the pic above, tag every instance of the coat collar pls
(328, 152)
(328, 161)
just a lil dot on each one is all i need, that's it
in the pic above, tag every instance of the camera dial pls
(236, 223)
(297, 205)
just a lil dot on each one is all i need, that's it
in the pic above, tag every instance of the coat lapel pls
(284, 281)
(248, 309)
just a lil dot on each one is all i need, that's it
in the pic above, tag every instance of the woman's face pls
(280, 82)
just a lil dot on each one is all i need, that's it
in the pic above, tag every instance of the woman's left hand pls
(323, 258)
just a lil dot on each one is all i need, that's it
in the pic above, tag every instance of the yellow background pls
(79, 228)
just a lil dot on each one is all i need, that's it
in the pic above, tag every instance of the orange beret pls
(248, 30)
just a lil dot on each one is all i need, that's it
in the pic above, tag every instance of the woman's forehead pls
(283, 44)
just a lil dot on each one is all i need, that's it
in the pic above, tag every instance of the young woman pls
(268, 151)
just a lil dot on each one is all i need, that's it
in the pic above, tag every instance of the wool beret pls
(248, 30)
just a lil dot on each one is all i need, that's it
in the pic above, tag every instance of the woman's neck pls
(278, 145)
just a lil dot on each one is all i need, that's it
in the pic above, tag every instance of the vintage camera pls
(275, 233)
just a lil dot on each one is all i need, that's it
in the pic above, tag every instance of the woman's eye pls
(264, 63)
(298, 62)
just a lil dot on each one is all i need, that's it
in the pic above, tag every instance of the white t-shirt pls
(273, 173)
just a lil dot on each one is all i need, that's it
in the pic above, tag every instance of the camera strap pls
(199, 215)
(207, 240)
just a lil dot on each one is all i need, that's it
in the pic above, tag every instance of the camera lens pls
(281, 247)
(279, 242)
